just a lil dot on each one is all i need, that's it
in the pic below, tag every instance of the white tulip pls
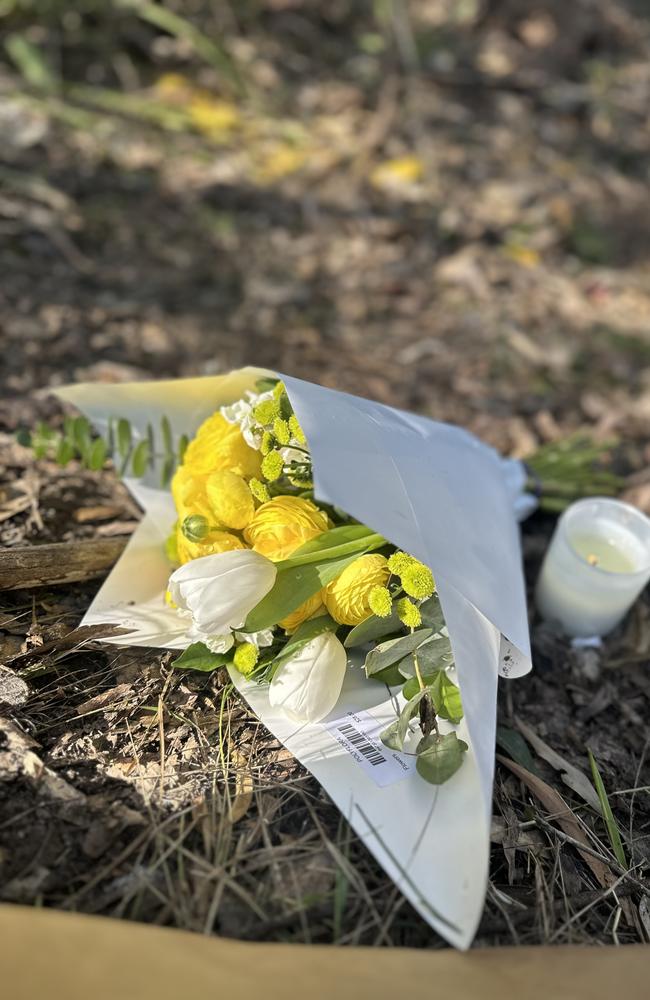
(307, 686)
(220, 590)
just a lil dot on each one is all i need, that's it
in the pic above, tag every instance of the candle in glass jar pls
(597, 564)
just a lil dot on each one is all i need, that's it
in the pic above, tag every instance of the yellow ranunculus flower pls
(189, 494)
(282, 525)
(230, 499)
(306, 610)
(215, 542)
(346, 598)
(220, 445)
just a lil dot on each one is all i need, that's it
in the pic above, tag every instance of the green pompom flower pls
(399, 561)
(245, 658)
(296, 430)
(259, 490)
(266, 411)
(380, 601)
(272, 466)
(417, 581)
(408, 613)
(281, 431)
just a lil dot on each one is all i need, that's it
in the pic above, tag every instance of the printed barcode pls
(360, 743)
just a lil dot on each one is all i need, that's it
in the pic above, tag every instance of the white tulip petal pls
(307, 686)
(220, 590)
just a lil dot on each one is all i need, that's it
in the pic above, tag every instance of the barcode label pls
(358, 733)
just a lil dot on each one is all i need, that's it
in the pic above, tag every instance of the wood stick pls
(62, 562)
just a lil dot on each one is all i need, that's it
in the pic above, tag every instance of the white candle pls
(597, 564)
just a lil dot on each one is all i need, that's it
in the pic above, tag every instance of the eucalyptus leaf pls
(291, 588)
(515, 745)
(389, 675)
(439, 757)
(446, 698)
(373, 628)
(432, 615)
(434, 655)
(199, 657)
(395, 734)
(394, 650)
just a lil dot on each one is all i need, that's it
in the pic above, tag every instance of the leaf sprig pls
(77, 441)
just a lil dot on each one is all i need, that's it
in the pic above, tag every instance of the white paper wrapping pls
(435, 491)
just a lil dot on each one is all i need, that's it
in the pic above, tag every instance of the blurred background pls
(440, 203)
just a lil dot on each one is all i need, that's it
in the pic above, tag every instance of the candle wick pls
(592, 559)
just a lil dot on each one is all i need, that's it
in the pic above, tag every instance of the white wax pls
(597, 564)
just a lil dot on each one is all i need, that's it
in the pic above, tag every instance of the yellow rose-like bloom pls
(230, 499)
(306, 610)
(282, 525)
(220, 445)
(189, 494)
(213, 543)
(347, 597)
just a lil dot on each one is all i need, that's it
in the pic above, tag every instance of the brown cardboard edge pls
(70, 956)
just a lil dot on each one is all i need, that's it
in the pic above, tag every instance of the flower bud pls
(195, 527)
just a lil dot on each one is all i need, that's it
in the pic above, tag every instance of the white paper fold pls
(435, 491)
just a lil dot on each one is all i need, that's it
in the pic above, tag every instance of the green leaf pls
(395, 734)
(97, 454)
(608, 815)
(140, 458)
(81, 436)
(183, 442)
(373, 628)
(291, 588)
(64, 452)
(168, 441)
(198, 657)
(389, 675)
(434, 655)
(439, 757)
(446, 698)
(393, 650)
(265, 383)
(432, 615)
(167, 470)
(345, 540)
(515, 745)
(124, 437)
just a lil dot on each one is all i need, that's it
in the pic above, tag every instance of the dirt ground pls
(440, 205)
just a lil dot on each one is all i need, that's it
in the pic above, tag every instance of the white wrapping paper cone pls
(433, 490)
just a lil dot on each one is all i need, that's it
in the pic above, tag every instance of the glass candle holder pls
(596, 566)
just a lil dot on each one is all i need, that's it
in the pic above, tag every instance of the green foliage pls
(305, 633)
(76, 441)
(439, 757)
(608, 815)
(394, 650)
(199, 657)
(567, 470)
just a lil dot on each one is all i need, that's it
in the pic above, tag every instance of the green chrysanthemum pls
(245, 658)
(266, 411)
(259, 490)
(417, 580)
(408, 613)
(399, 561)
(281, 431)
(296, 430)
(380, 601)
(268, 443)
(272, 466)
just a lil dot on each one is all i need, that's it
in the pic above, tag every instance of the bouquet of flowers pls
(279, 587)
(356, 569)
